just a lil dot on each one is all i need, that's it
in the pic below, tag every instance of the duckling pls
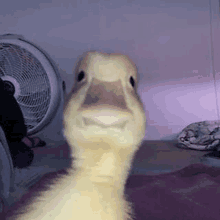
(104, 124)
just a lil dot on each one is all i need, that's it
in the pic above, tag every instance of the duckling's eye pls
(81, 75)
(132, 81)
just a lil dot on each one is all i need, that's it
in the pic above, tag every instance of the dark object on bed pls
(214, 154)
(13, 125)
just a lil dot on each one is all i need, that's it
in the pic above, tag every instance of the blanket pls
(192, 193)
(203, 135)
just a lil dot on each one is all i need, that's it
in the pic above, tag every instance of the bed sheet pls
(188, 194)
(192, 193)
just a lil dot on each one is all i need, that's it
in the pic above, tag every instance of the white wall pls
(168, 40)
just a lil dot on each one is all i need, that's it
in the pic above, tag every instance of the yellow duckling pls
(104, 123)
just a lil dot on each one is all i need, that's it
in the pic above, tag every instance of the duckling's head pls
(104, 111)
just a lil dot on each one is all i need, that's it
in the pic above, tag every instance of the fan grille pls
(34, 86)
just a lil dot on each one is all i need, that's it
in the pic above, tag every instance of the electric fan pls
(32, 76)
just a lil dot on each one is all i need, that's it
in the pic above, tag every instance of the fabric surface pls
(192, 193)
(189, 194)
(203, 135)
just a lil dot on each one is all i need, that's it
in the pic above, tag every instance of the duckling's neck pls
(104, 166)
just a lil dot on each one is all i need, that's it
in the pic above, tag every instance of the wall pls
(170, 41)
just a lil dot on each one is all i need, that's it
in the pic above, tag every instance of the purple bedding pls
(188, 194)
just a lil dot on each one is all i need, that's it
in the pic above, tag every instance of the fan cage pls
(36, 80)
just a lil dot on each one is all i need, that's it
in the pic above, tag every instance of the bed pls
(166, 182)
